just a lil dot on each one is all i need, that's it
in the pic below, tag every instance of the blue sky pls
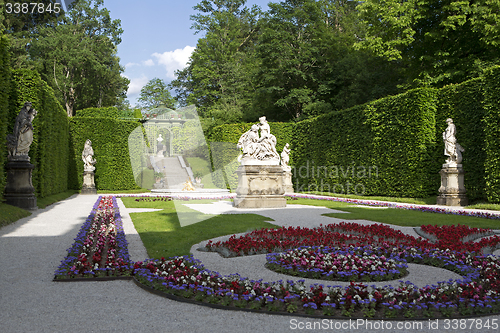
(157, 38)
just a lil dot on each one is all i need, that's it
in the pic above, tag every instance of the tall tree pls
(78, 57)
(437, 41)
(22, 22)
(154, 93)
(217, 78)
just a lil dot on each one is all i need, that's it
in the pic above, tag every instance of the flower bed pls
(350, 264)
(341, 234)
(100, 248)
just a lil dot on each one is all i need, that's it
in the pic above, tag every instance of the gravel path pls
(32, 248)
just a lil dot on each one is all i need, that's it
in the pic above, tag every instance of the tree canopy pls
(75, 52)
(154, 93)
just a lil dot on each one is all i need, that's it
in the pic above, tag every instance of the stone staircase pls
(175, 171)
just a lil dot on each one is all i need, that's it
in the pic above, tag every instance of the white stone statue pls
(285, 157)
(249, 143)
(19, 142)
(87, 156)
(452, 148)
(258, 149)
(267, 140)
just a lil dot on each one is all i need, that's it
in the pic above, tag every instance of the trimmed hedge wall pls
(392, 146)
(384, 147)
(107, 112)
(49, 151)
(110, 143)
(4, 107)
(492, 133)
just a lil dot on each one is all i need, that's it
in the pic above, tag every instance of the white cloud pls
(148, 62)
(130, 64)
(174, 60)
(136, 85)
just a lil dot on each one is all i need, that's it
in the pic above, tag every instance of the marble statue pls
(452, 148)
(258, 148)
(19, 142)
(88, 156)
(285, 157)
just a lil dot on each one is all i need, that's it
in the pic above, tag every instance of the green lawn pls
(401, 217)
(10, 214)
(416, 201)
(163, 236)
(202, 166)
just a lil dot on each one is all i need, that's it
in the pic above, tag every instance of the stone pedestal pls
(88, 186)
(260, 186)
(287, 181)
(452, 190)
(19, 190)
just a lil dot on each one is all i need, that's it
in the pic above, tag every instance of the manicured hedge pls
(110, 144)
(382, 147)
(492, 133)
(4, 107)
(49, 151)
(106, 112)
(223, 140)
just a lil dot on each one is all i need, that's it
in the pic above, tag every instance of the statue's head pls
(28, 105)
(262, 119)
(88, 142)
(255, 128)
(449, 121)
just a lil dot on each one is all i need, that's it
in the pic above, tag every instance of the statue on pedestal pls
(452, 190)
(260, 176)
(19, 190)
(19, 142)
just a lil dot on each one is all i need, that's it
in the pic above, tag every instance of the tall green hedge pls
(49, 150)
(492, 133)
(106, 112)
(4, 106)
(382, 147)
(110, 144)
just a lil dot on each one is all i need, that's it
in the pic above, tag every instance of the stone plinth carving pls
(452, 190)
(19, 190)
(260, 186)
(88, 186)
(260, 175)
